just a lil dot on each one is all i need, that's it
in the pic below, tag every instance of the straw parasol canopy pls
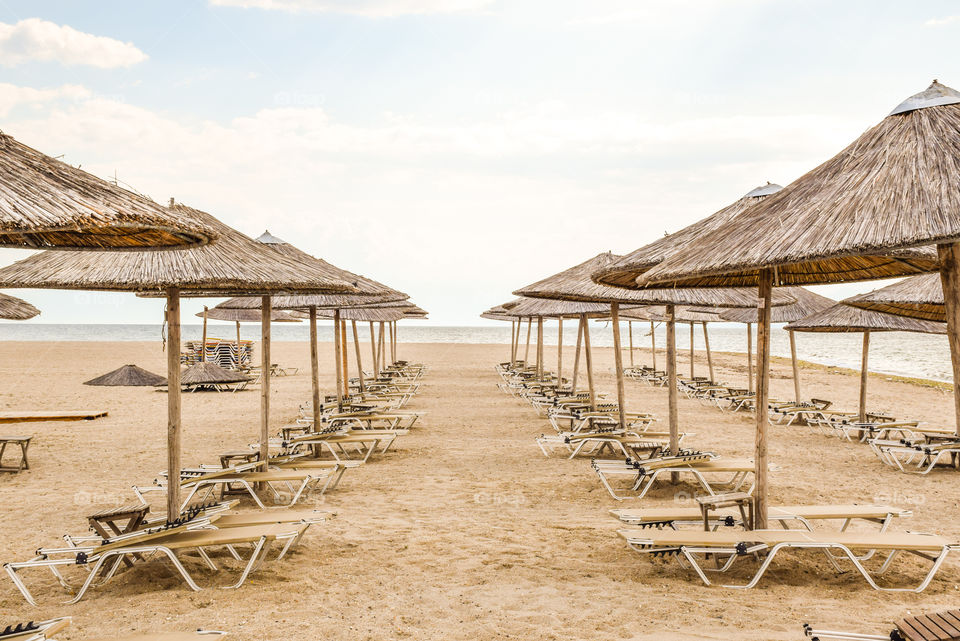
(806, 303)
(209, 373)
(893, 188)
(46, 204)
(373, 292)
(532, 308)
(915, 297)
(13, 308)
(623, 272)
(128, 376)
(246, 315)
(843, 318)
(575, 284)
(682, 314)
(369, 314)
(235, 264)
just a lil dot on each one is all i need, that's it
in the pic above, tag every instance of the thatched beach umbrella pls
(128, 376)
(233, 265)
(807, 303)
(13, 308)
(207, 373)
(48, 204)
(843, 318)
(865, 213)
(576, 284)
(918, 297)
(371, 292)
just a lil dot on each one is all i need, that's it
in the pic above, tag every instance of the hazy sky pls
(454, 149)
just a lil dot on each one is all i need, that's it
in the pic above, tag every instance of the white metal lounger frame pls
(70, 556)
(746, 549)
(205, 487)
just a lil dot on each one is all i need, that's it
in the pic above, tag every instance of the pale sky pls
(454, 149)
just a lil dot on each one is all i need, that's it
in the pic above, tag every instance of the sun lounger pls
(692, 545)
(200, 484)
(363, 443)
(641, 476)
(671, 517)
(166, 541)
(628, 443)
(940, 626)
(920, 458)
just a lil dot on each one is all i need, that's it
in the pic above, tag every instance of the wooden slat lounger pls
(166, 542)
(33, 416)
(692, 545)
(645, 473)
(940, 626)
(784, 514)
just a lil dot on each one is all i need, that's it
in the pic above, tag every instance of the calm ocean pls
(917, 355)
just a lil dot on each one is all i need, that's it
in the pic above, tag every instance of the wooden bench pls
(24, 443)
(31, 416)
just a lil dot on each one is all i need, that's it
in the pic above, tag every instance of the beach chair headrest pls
(19, 628)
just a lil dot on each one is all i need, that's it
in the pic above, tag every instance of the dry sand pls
(464, 531)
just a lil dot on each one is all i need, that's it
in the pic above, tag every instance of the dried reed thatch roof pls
(575, 284)
(375, 314)
(247, 315)
(918, 297)
(371, 291)
(234, 264)
(865, 213)
(128, 376)
(623, 272)
(533, 307)
(807, 303)
(46, 203)
(208, 373)
(843, 318)
(13, 308)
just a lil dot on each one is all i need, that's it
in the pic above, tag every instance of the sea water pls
(900, 353)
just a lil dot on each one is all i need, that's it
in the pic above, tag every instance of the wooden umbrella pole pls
(173, 403)
(949, 255)
(706, 343)
(691, 351)
(672, 398)
(526, 352)
(314, 368)
(356, 344)
(653, 344)
(760, 505)
(560, 351)
(395, 327)
(588, 357)
(750, 387)
(381, 350)
(864, 372)
(576, 356)
(203, 349)
(239, 349)
(796, 367)
(513, 350)
(540, 347)
(373, 349)
(265, 314)
(336, 358)
(618, 365)
(343, 354)
(630, 336)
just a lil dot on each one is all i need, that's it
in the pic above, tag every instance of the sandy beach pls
(464, 530)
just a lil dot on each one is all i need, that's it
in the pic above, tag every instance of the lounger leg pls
(259, 549)
(253, 494)
(12, 571)
(206, 559)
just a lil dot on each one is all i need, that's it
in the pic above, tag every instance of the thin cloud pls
(939, 22)
(34, 39)
(365, 8)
